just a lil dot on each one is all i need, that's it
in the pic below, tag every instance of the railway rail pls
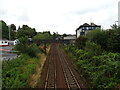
(51, 72)
(71, 80)
(58, 73)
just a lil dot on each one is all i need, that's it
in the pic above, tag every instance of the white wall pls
(13, 42)
(2, 42)
(69, 38)
(78, 33)
(119, 13)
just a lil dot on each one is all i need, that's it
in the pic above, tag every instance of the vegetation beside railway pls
(97, 56)
(24, 71)
(17, 73)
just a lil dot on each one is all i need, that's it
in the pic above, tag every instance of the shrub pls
(93, 48)
(17, 72)
(102, 67)
(81, 42)
(23, 47)
(33, 50)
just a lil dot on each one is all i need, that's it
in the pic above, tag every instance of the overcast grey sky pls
(62, 16)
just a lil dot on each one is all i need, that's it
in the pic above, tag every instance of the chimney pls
(92, 24)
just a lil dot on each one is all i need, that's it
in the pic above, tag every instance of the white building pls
(3, 42)
(85, 28)
(70, 37)
(7, 42)
(119, 13)
(13, 42)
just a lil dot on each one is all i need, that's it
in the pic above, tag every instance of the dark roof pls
(85, 24)
(88, 25)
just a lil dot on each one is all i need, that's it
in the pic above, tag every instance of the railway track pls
(71, 80)
(58, 73)
(50, 81)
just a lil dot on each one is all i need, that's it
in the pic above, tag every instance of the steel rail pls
(66, 67)
(51, 72)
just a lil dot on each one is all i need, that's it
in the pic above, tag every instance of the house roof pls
(88, 25)
(85, 24)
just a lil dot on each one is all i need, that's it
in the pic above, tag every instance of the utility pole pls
(9, 31)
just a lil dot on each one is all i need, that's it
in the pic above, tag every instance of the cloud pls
(63, 16)
(2, 12)
(23, 17)
(87, 10)
(52, 25)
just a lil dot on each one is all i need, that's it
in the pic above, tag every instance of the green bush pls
(33, 50)
(99, 37)
(17, 72)
(102, 67)
(81, 42)
(24, 47)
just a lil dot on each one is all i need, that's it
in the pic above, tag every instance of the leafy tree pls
(5, 31)
(64, 35)
(12, 31)
(55, 35)
(93, 48)
(114, 27)
(114, 40)
(26, 31)
(42, 36)
(81, 42)
(13, 27)
(23, 47)
(99, 37)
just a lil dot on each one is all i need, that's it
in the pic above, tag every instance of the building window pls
(94, 27)
(86, 28)
(90, 28)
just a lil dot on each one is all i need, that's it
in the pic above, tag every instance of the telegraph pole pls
(9, 32)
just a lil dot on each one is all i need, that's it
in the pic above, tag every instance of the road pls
(59, 72)
(6, 53)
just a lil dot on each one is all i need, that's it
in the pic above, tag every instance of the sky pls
(62, 16)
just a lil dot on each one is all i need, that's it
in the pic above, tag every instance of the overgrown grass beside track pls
(24, 71)
(15, 73)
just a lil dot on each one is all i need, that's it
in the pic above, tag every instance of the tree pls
(13, 31)
(42, 36)
(114, 40)
(5, 31)
(99, 37)
(81, 42)
(26, 31)
(23, 47)
(64, 35)
(114, 27)
(55, 35)
(13, 27)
